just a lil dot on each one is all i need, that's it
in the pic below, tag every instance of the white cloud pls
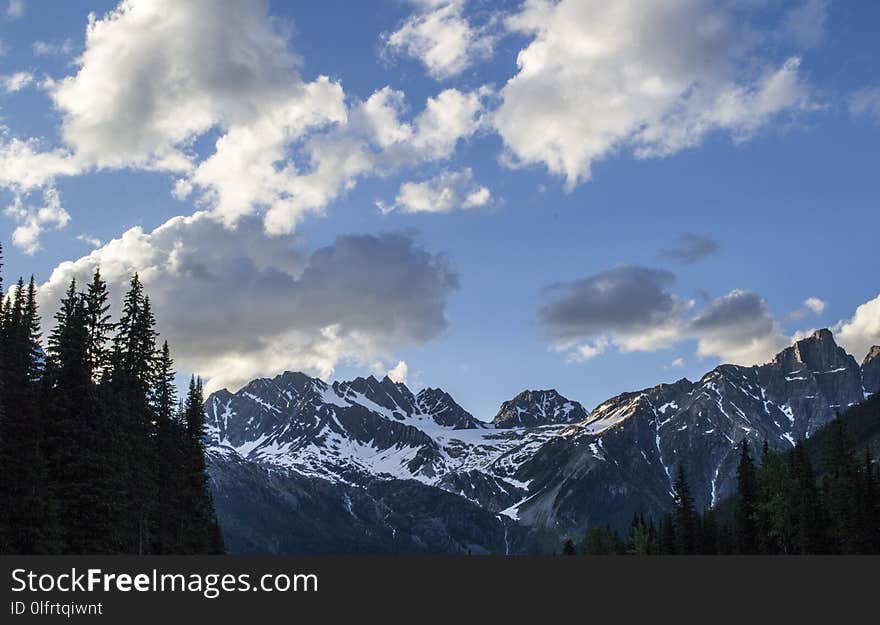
(815, 304)
(654, 78)
(677, 363)
(586, 351)
(50, 48)
(738, 328)
(16, 82)
(34, 220)
(89, 240)
(237, 304)
(156, 75)
(443, 193)
(14, 9)
(441, 37)
(866, 103)
(399, 373)
(862, 331)
(372, 139)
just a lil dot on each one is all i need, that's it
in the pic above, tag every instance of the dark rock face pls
(440, 405)
(871, 371)
(534, 408)
(269, 511)
(332, 464)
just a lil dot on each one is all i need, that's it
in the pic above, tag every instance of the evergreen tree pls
(93, 456)
(24, 494)
(747, 499)
(684, 516)
(667, 535)
(708, 533)
(171, 447)
(568, 548)
(639, 539)
(774, 507)
(808, 516)
(201, 533)
(869, 517)
(98, 325)
(840, 487)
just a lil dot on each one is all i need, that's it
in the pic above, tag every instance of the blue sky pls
(357, 184)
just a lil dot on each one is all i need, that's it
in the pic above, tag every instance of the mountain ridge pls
(544, 462)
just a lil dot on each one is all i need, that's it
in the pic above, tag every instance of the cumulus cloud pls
(16, 82)
(650, 77)
(815, 304)
(373, 139)
(441, 37)
(738, 328)
(691, 248)
(810, 305)
(33, 220)
(443, 193)
(155, 76)
(631, 308)
(398, 373)
(866, 103)
(239, 304)
(89, 240)
(862, 331)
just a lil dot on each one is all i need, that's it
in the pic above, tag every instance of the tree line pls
(97, 455)
(821, 497)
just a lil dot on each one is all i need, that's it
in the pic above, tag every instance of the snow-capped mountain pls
(531, 408)
(544, 464)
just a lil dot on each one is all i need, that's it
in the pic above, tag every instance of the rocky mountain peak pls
(871, 370)
(818, 352)
(534, 408)
(445, 411)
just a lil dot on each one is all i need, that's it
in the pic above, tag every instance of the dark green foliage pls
(603, 541)
(94, 455)
(568, 548)
(685, 516)
(784, 506)
(746, 516)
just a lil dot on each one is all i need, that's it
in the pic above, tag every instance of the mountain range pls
(298, 465)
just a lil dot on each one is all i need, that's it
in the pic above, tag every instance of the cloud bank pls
(239, 304)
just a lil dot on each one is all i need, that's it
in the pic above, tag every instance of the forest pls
(97, 454)
(821, 497)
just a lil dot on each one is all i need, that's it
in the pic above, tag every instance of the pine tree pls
(639, 540)
(840, 488)
(808, 515)
(171, 447)
(24, 494)
(201, 534)
(747, 499)
(568, 548)
(133, 365)
(667, 535)
(98, 324)
(684, 516)
(870, 510)
(708, 533)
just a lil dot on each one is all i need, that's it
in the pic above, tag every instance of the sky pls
(479, 196)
